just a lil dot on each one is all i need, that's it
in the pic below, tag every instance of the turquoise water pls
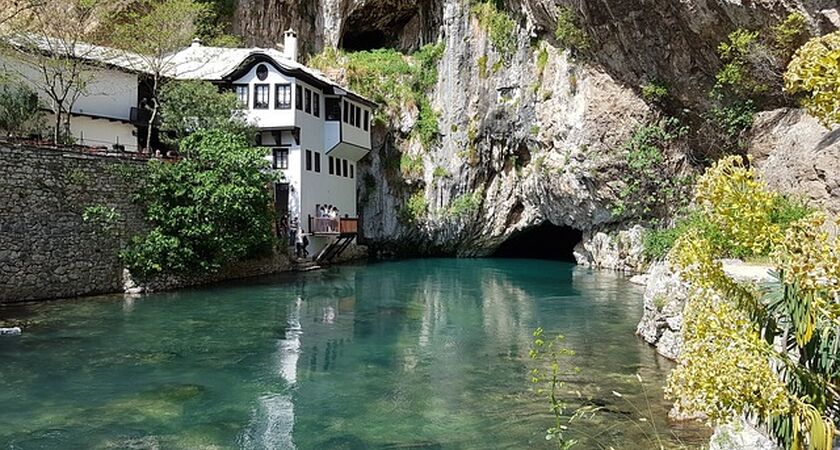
(417, 354)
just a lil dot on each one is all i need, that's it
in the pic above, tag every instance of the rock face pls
(740, 436)
(664, 300)
(620, 250)
(798, 156)
(536, 134)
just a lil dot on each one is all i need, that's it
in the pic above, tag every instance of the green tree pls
(190, 106)
(206, 210)
(20, 109)
(814, 73)
(153, 31)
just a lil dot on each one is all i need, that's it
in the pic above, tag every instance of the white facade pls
(101, 114)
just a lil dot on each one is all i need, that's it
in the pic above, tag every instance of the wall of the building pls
(95, 132)
(271, 117)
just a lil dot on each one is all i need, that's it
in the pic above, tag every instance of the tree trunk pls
(57, 127)
(153, 116)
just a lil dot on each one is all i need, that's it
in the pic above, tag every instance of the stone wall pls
(46, 249)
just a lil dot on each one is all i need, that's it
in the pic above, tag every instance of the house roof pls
(110, 57)
(196, 62)
(225, 64)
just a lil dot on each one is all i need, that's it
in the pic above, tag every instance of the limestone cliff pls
(535, 133)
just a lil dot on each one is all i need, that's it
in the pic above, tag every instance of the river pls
(412, 354)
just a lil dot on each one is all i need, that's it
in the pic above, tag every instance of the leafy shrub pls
(790, 34)
(813, 73)
(104, 217)
(414, 209)
(650, 185)
(190, 106)
(411, 166)
(20, 111)
(466, 205)
(654, 92)
(206, 210)
(750, 69)
(499, 26)
(426, 127)
(569, 32)
(773, 350)
(440, 172)
(542, 61)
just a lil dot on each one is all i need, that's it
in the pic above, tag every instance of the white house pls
(107, 94)
(314, 130)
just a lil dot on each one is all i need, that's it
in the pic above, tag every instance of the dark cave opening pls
(364, 40)
(544, 241)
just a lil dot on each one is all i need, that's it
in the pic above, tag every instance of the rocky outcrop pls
(664, 300)
(798, 156)
(617, 250)
(537, 135)
(740, 435)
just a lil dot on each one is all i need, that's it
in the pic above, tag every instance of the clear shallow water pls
(418, 354)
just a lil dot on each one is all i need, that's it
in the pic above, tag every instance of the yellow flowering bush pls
(814, 72)
(769, 353)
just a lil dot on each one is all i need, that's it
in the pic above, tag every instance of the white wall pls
(356, 135)
(108, 92)
(271, 117)
(99, 132)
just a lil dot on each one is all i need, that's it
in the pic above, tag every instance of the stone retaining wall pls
(46, 248)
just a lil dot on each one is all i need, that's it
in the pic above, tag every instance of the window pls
(316, 104)
(262, 72)
(366, 123)
(318, 162)
(260, 96)
(281, 158)
(346, 112)
(242, 93)
(344, 164)
(299, 98)
(283, 96)
(309, 160)
(332, 106)
(332, 166)
(358, 117)
(307, 101)
(351, 171)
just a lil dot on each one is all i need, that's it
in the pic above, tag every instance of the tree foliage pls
(20, 110)
(814, 73)
(773, 350)
(190, 106)
(206, 210)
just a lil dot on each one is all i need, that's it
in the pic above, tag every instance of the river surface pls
(415, 354)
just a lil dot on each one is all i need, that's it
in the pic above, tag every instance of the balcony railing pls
(327, 225)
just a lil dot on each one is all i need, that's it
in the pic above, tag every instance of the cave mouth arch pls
(544, 241)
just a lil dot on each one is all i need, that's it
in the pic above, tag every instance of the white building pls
(107, 91)
(314, 130)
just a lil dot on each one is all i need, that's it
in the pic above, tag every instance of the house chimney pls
(290, 48)
(196, 42)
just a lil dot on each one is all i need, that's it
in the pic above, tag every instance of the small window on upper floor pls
(344, 166)
(316, 104)
(366, 122)
(262, 72)
(318, 162)
(281, 158)
(307, 101)
(358, 123)
(299, 98)
(346, 112)
(332, 165)
(260, 96)
(351, 171)
(332, 107)
(309, 160)
(283, 96)
(242, 94)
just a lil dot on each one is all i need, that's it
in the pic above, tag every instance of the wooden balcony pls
(340, 226)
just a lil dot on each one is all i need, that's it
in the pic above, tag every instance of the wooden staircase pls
(335, 248)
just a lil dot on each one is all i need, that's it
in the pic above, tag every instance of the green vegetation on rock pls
(499, 26)
(814, 73)
(569, 32)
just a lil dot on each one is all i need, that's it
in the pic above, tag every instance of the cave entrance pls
(379, 24)
(364, 40)
(544, 241)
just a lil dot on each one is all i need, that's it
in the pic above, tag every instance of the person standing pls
(299, 242)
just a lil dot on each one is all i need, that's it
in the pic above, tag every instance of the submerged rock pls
(13, 331)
